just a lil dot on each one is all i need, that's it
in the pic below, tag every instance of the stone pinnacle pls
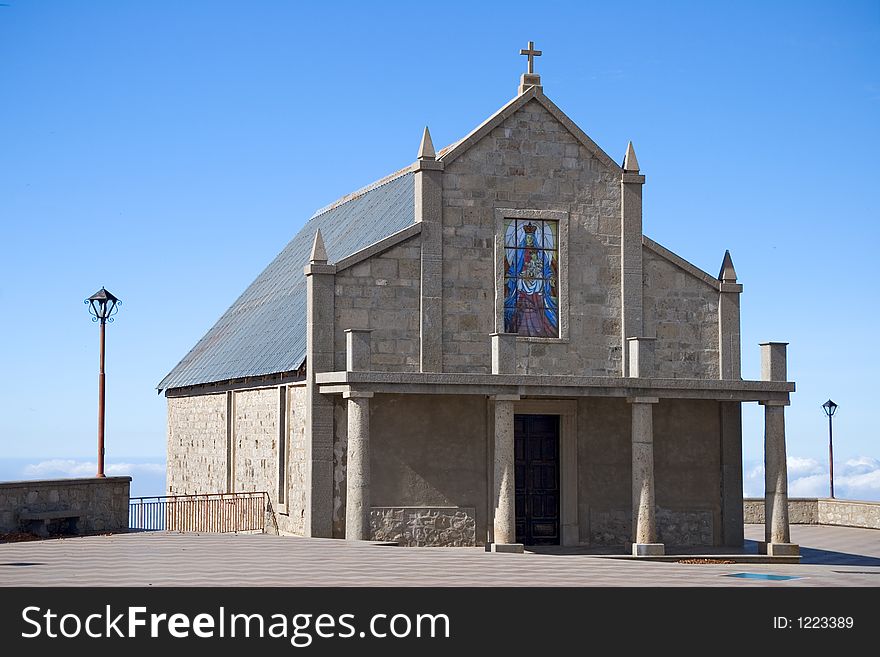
(727, 273)
(426, 148)
(319, 253)
(630, 163)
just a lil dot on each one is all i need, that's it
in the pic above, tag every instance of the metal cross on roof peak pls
(531, 53)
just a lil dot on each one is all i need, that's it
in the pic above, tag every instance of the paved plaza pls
(833, 556)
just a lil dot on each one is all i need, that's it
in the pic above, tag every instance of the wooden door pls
(536, 472)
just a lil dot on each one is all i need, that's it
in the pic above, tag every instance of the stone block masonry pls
(681, 311)
(382, 294)
(99, 504)
(197, 445)
(256, 441)
(294, 521)
(198, 450)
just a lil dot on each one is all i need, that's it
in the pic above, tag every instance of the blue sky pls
(169, 150)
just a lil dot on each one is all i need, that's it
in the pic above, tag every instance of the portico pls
(507, 395)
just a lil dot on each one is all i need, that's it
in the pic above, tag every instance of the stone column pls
(320, 319)
(729, 321)
(504, 522)
(776, 528)
(428, 189)
(644, 511)
(729, 368)
(631, 279)
(777, 537)
(357, 482)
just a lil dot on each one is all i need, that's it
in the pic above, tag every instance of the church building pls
(483, 348)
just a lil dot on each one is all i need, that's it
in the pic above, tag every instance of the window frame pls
(502, 215)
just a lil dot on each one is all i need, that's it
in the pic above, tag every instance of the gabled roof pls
(264, 331)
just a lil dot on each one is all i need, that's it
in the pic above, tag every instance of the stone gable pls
(382, 293)
(531, 161)
(682, 312)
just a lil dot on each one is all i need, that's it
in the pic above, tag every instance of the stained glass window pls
(531, 277)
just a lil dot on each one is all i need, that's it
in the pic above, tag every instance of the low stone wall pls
(801, 510)
(101, 503)
(820, 511)
(849, 513)
(421, 526)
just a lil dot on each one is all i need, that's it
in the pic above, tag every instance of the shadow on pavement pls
(816, 556)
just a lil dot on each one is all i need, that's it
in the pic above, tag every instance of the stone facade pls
(100, 503)
(382, 293)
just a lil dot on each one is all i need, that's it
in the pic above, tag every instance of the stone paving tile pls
(835, 556)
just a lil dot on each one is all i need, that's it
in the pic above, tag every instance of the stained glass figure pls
(531, 299)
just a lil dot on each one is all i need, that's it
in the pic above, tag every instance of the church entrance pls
(536, 472)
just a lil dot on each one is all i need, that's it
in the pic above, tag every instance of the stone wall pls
(102, 503)
(682, 312)
(687, 467)
(297, 471)
(687, 470)
(382, 293)
(255, 431)
(849, 513)
(801, 510)
(813, 511)
(432, 454)
(196, 444)
(604, 427)
(424, 526)
(686, 527)
(532, 162)
(197, 451)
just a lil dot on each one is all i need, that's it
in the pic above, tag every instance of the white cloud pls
(72, 468)
(801, 467)
(808, 486)
(855, 479)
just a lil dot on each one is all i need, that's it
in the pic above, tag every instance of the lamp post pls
(830, 409)
(102, 305)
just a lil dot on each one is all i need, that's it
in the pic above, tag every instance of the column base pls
(779, 549)
(648, 549)
(513, 548)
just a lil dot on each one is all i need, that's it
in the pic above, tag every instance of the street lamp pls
(830, 409)
(102, 305)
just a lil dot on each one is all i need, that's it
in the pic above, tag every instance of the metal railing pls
(211, 512)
